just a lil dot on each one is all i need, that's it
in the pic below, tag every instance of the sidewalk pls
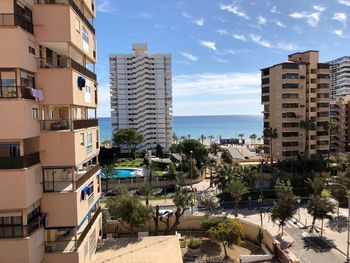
(333, 231)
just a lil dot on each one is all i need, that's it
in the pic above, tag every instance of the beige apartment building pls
(294, 91)
(49, 135)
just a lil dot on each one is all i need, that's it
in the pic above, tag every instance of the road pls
(310, 248)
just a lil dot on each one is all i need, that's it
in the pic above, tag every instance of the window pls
(323, 114)
(290, 134)
(50, 114)
(97, 139)
(323, 76)
(8, 84)
(290, 86)
(35, 114)
(85, 35)
(31, 50)
(265, 71)
(74, 113)
(290, 105)
(290, 144)
(290, 96)
(323, 86)
(77, 24)
(265, 98)
(265, 81)
(290, 66)
(290, 76)
(265, 89)
(11, 226)
(290, 153)
(87, 92)
(82, 139)
(323, 66)
(89, 143)
(290, 124)
(288, 115)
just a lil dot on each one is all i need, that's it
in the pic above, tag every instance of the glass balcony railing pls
(19, 162)
(15, 92)
(16, 20)
(61, 125)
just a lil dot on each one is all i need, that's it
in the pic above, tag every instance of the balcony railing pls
(16, 20)
(21, 231)
(19, 162)
(82, 124)
(83, 70)
(70, 243)
(74, 7)
(87, 175)
(61, 125)
(16, 92)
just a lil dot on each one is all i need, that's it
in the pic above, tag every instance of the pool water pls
(125, 172)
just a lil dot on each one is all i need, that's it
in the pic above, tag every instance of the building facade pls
(340, 77)
(49, 140)
(141, 95)
(293, 92)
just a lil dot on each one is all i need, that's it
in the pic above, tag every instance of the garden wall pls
(193, 223)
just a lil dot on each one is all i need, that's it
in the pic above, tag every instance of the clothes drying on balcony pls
(81, 82)
(38, 94)
(85, 192)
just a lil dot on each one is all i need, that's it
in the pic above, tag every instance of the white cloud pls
(104, 6)
(260, 41)
(339, 33)
(344, 2)
(222, 31)
(240, 37)
(216, 84)
(233, 8)
(189, 56)
(287, 46)
(144, 15)
(199, 22)
(261, 20)
(279, 23)
(312, 18)
(186, 15)
(208, 44)
(341, 17)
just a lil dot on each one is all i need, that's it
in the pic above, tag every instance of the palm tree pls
(241, 135)
(270, 133)
(175, 139)
(236, 188)
(202, 138)
(146, 190)
(224, 174)
(210, 137)
(333, 127)
(108, 172)
(188, 136)
(253, 138)
(316, 185)
(307, 125)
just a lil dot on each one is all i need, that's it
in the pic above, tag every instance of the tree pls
(172, 174)
(283, 209)
(320, 208)
(236, 188)
(214, 148)
(211, 165)
(333, 127)
(316, 185)
(147, 190)
(224, 174)
(199, 152)
(128, 137)
(159, 151)
(175, 138)
(129, 211)
(207, 201)
(307, 125)
(270, 134)
(108, 172)
(226, 157)
(253, 137)
(339, 194)
(202, 138)
(241, 136)
(210, 137)
(228, 234)
(183, 199)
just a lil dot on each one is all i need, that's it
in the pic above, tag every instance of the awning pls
(84, 192)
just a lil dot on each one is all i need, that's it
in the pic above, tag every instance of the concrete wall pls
(29, 250)
(18, 119)
(27, 183)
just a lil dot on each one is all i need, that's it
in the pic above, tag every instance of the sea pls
(226, 126)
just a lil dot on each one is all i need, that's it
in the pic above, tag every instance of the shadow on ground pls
(338, 224)
(318, 244)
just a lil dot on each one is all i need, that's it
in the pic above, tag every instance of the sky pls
(218, 47)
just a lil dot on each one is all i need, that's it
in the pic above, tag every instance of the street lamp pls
(298, 201)
(348, 221)
(260, 200)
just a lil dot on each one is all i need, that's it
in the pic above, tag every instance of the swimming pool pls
(127, 172)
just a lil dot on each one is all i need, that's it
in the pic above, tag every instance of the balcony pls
(16, 20)
(66, 179)
(16, 92)
(67, 125)
(19, 162)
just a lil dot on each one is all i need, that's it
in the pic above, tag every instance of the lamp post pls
(260, 200)
(191, 152)
(348, 220)
(298, 201)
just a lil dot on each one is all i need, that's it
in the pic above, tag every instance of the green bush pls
(195, 243)
(213, 221)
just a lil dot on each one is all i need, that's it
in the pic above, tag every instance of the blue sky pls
(218, 47)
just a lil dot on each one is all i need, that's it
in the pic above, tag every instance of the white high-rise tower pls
(141, 95)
